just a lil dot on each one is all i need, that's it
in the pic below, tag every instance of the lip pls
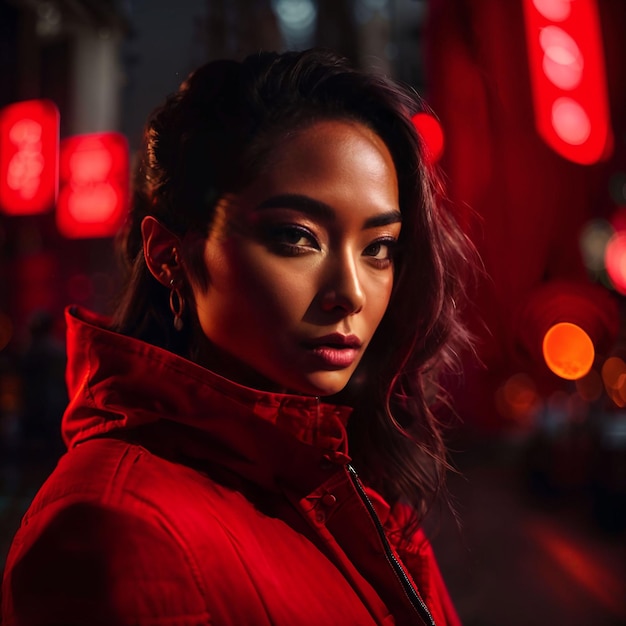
(335, 340)
(334, 350)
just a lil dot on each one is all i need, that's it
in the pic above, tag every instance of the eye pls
(292, 239)
(381, 251)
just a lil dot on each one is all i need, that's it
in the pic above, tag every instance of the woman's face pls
(300, 263)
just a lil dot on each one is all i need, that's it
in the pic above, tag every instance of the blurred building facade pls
(66, 52)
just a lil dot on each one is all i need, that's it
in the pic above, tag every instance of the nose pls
(343, 290)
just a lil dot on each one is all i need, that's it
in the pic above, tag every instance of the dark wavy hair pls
(210, 138)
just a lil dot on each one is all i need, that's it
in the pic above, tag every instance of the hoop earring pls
(177, 305)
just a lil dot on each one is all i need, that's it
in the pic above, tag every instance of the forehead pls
(333, 161)
(331, 140)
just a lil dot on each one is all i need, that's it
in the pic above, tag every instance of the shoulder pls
(124, 476)
(88, 552)
(88, 563)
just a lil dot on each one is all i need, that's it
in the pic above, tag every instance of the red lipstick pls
(335, 350)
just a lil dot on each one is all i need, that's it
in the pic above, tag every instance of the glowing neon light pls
(568, 78)
(94, 185)
(29, 145)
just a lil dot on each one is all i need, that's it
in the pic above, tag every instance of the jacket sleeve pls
(422, 565)
(418, 557)
(87, 564)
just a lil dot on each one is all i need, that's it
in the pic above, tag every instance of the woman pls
(289, 268)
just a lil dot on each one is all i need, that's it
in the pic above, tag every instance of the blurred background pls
(527, 125)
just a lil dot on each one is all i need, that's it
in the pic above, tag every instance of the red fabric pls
(187, 499)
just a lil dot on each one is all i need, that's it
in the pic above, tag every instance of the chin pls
(322, 384)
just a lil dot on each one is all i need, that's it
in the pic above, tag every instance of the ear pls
(162, 251)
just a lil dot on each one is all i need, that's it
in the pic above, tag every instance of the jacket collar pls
(117, 383)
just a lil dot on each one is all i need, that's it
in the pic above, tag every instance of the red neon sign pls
(93, 197)
(29, 148)
(568, 80)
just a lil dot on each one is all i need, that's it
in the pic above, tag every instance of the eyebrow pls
(319, 209)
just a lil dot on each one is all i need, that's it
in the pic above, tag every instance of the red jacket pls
(187, 499)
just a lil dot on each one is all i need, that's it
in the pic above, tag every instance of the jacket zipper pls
(417, 603)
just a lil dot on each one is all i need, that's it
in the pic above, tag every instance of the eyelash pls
(392, 247)
(294, 249)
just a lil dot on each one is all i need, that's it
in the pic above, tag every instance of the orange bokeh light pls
(568, 351)
(614, 378)
(518, 399)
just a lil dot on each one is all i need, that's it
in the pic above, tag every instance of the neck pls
(225, 364)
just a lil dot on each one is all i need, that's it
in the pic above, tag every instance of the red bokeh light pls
(94, 185)
(615, 260)
(566, 62)
(29, 147)
(431, 132)
(562, 61)
(555, 10)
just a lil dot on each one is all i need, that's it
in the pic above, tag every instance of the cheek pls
(379, 297)
(249, 286)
